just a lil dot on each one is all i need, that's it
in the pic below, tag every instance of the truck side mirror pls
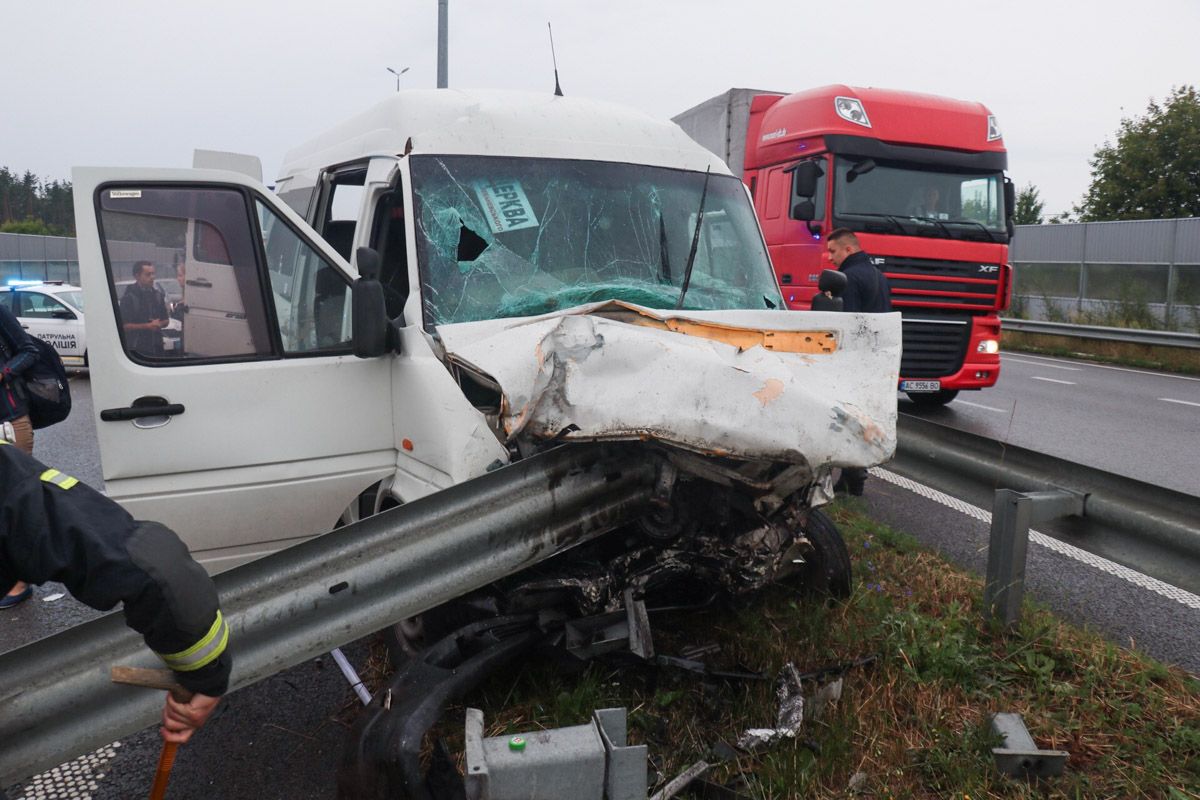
(368, 315)
(804, 179)
(833, 282)
(804, 209)
(1010, 205)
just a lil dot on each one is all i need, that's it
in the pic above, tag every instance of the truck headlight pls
(989, 346)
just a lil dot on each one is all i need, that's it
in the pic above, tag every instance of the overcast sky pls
(134, 83)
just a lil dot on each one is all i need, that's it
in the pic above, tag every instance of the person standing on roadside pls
(144, 312)
(867, 292)
(19, 353)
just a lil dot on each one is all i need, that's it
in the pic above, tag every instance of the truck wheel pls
(828, 569)
(931, 399)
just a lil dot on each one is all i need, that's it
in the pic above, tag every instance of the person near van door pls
(55, 528)
(867, 292)
(144, 311)
(19, 353)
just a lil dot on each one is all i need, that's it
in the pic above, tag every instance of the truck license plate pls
(920, 386)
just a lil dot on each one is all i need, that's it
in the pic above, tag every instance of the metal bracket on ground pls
(587, 762)
(1012, 514)
(1020, 757)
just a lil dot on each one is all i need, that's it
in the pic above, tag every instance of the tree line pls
(31, 205)
(1151, 171)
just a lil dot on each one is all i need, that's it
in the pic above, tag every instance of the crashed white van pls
(532, 250)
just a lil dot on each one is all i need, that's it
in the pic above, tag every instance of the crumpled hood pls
(813, 388)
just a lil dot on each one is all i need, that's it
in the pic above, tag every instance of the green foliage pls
(1029, 206)
(937, 648)
(25, 199)
(1153, 170)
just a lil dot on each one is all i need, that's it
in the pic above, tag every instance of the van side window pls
(342, 201)
(387, 238)
(203, 239)
(312, 298)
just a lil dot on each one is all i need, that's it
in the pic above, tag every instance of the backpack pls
(48, 388)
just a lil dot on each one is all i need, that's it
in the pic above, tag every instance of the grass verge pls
(1127, 354)
(915, 723)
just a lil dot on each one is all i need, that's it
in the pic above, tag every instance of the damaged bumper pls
(801, 388)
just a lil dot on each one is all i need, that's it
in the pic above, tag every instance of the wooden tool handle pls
(151, 679)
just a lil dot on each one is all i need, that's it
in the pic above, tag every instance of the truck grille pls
(920, 282)
(933, 346)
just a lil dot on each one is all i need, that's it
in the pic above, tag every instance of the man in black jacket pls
(867, 292)
(55, 528)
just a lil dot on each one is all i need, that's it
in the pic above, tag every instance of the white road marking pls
(1106, 366)
(979, 405)
(1040, 364)
(1181, 596)
(1051, 380)
(74, 780)
(1181, 402)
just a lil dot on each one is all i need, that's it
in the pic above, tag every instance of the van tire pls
(828, 570)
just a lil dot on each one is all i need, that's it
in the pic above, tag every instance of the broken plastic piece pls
(678, 783)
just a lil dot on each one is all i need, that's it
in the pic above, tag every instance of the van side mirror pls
(833, 282)
(368, 315)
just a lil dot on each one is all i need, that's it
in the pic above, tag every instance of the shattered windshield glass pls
(511, 237)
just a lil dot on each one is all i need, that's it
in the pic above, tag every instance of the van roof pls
(502, 123)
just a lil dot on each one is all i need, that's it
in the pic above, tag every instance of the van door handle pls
(142, 407)
(201, 283)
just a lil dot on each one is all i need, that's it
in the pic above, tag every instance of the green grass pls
(916, 721)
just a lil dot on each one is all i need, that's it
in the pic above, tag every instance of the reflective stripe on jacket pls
(55, 528)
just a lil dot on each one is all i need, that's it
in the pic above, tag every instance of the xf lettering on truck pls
(989, 268)
(505, 205)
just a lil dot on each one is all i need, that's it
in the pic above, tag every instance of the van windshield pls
(510, 237)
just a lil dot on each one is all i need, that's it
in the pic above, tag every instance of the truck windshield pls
(509, 237)
(915, 200)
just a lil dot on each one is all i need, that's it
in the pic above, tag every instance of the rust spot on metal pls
(817, 341)
(771, 390)
(407, 444)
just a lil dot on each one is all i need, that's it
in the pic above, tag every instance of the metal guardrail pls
(58, 701)
(1128, 335)
(1145, 527)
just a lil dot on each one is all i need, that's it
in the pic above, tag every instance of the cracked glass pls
(510, 237)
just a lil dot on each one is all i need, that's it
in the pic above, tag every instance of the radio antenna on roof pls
(554, 58)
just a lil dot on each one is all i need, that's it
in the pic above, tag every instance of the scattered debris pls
(857, 782)
(794, 708)
(678, 783)
(50, 598)
(700, 668)
(1020, 756)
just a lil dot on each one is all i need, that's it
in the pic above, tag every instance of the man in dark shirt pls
(144, 312)
(867, 292)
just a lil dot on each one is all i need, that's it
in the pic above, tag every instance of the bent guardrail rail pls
(56, 699)
(1145, 527)
(1189, 341)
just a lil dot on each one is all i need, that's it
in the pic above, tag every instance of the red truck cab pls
(920, 180)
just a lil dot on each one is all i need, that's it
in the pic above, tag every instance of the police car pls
(53, 312)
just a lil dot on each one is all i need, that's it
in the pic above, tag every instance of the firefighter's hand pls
(181, 720)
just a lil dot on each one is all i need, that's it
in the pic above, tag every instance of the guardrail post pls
(1012, 514)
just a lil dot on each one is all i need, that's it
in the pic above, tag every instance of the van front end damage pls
(811, 391)
(745, 414)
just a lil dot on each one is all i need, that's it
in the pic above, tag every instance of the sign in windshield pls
(510, 237)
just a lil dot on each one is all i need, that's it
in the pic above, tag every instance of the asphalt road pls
(1135, 423)
(280, 739)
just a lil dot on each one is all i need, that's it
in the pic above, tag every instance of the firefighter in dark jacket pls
(55, 528)
(866, 292)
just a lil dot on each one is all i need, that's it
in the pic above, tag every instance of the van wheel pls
(827, 569)
(932, 399)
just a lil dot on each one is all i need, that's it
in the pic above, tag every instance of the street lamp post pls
(397, 74)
